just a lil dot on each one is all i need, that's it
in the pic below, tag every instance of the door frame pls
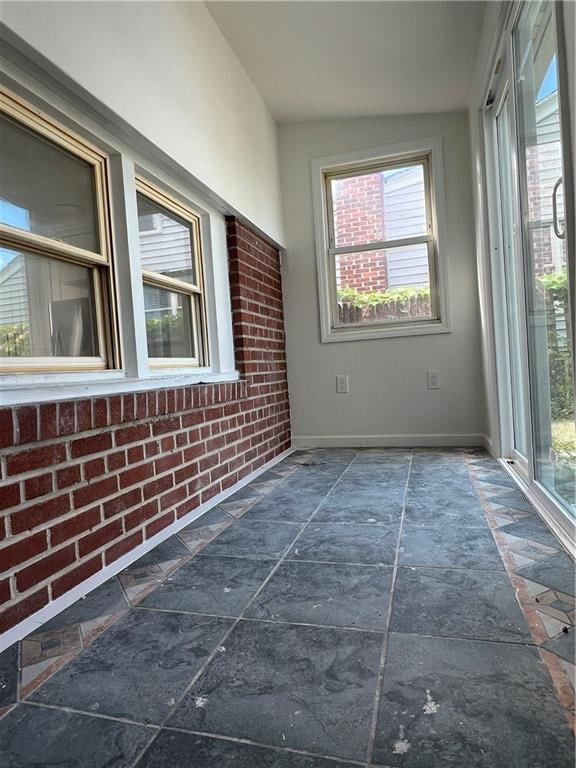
(499, 86)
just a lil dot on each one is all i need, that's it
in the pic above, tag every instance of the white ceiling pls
(315, 60)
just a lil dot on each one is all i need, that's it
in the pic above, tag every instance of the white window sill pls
(38, 388)
(358, 333)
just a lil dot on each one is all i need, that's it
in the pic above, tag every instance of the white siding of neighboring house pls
(13, 292)
(404, 211)
(167, 245)
(549, 152)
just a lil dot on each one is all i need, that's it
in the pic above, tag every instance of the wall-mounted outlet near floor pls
(342, 384)
(433, 379)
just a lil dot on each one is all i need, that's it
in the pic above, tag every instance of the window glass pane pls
(384, 285)
(169, 328)
(166, 244)
(546, 268)
(511, 278)
(46, 190)
(46, 307)
(374, 207)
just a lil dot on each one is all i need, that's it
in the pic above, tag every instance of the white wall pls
(167, 70)
(388, 394)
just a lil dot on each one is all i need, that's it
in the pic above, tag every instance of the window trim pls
(195, 291)
(343, 165)
(101, 263)
(127, 155)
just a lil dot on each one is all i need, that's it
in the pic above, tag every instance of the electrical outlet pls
(342, 384)
(433, 379)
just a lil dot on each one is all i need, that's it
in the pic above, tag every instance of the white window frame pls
(193, 292)
(126, 163)
(324, 167)
(99, 261)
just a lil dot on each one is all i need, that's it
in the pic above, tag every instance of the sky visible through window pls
(14, 216)
(550, 81)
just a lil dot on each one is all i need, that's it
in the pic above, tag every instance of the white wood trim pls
(366, 331)
(57, 387)
(321, 165)
(431, 440)
(32, 623)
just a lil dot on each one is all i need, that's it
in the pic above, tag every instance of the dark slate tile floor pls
(348, 608)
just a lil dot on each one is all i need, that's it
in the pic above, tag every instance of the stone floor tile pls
(466, 704)
(137, 668)
(449, 546)
(347, 543)
(33, 736)
(307, 688)
(256, 539)
(457, 603)
(214, 585)
(174, 749)
(339, 595)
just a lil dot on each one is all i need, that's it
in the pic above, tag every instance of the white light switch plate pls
(342, 384)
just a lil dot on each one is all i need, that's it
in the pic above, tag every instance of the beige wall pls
(388, 400)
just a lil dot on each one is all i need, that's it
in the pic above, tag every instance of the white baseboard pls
(470, 440)
(487, 443)
(55, 607)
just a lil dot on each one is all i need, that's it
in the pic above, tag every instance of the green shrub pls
(553, 289)
(355, 298)
(15, 339)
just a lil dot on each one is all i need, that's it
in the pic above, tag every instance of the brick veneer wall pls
(84, 482)
(359, 217)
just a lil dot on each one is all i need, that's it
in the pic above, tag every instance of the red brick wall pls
(84, 482)
(359, 218)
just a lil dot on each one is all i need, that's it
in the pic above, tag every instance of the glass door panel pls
(512, 277)
(545, 252)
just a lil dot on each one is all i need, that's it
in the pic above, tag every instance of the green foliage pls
(355, 298)
(564, 438)
(14, 339)
(158, 327)
(556, 284)
(554, 291)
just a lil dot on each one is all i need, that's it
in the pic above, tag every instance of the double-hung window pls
(377, 242)
(171, 260)
(60, 282)
(56, 310)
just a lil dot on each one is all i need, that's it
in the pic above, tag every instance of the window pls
(171, 261)
(377, 244)
(55, 262)
(107, 279)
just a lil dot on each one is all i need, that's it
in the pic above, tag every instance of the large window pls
(56, 312)
(378, 246)
(170, 254)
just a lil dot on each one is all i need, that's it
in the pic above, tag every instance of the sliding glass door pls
(533, 257)
(540, 159)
